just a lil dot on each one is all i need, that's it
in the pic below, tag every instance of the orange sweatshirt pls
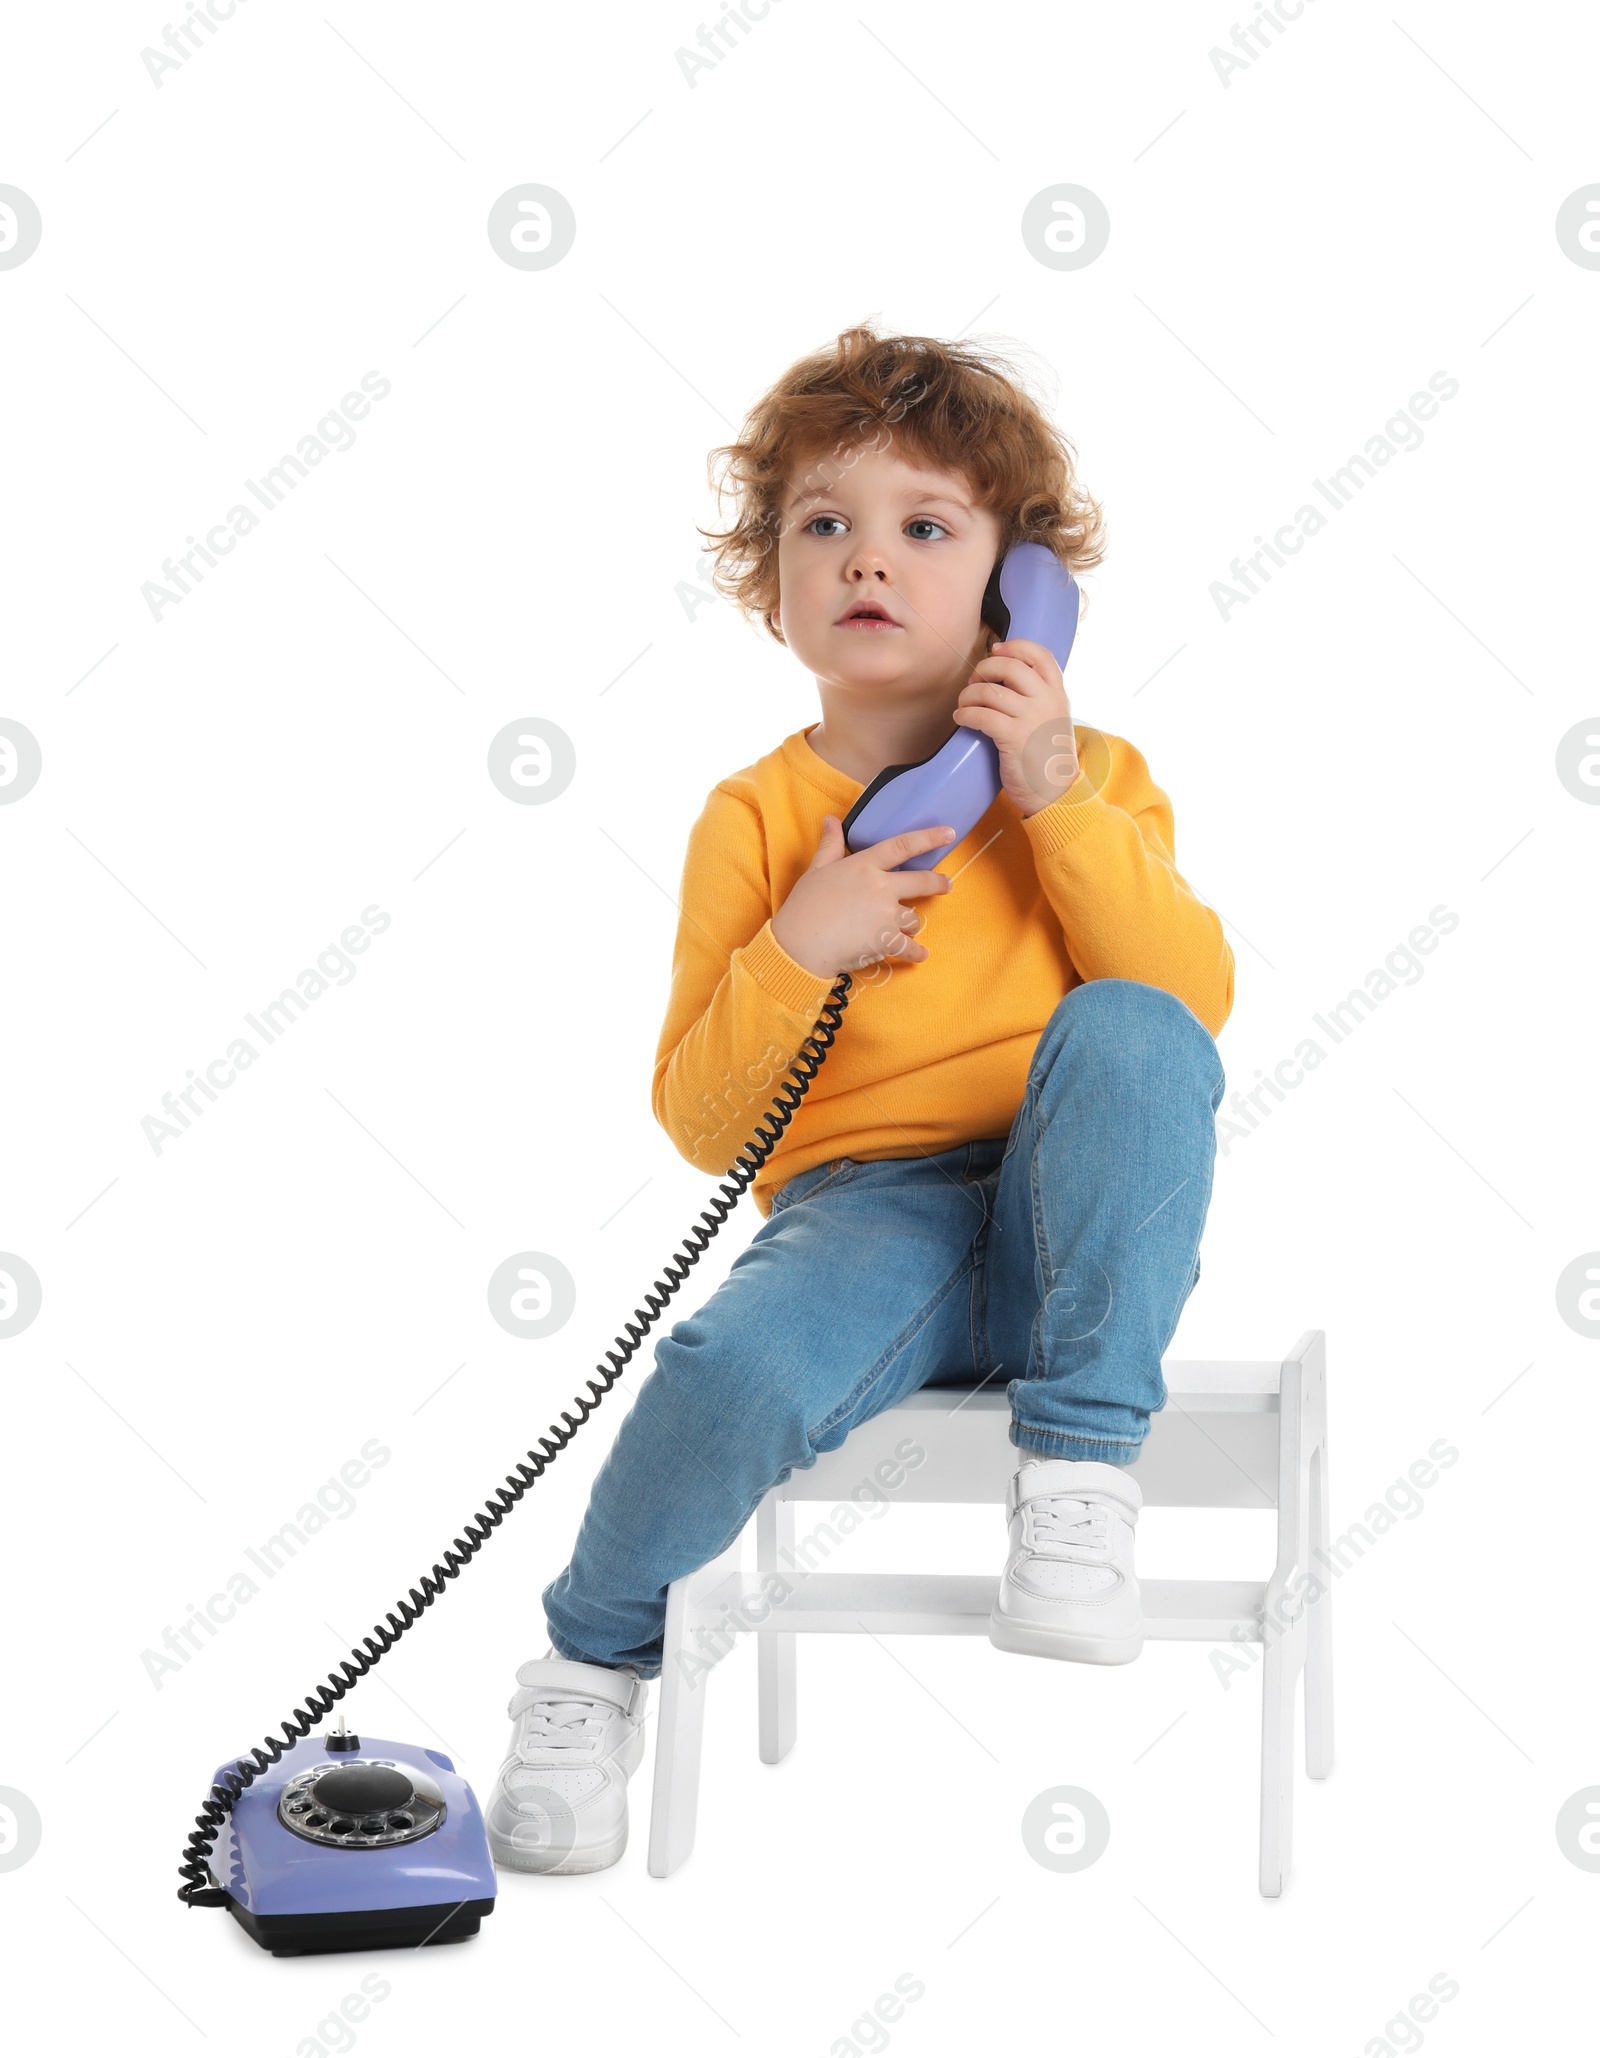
(933, 1054)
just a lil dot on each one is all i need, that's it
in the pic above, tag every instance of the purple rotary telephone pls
(339, 1843)
(1030, 594)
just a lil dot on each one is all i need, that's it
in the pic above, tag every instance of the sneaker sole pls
(595, 1859)
(1032, 1640)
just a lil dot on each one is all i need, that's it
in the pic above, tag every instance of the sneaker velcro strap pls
(554, 1679)
(1076, 1479)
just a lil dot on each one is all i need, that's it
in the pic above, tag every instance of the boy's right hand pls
(848, 910)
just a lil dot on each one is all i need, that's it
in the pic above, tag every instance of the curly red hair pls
(952, 406)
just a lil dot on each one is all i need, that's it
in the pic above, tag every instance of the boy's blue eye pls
(917, 523)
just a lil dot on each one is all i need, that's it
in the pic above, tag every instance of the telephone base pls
(376, 1929)
(334, 1849)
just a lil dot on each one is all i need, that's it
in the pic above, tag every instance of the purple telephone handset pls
(1032, 595)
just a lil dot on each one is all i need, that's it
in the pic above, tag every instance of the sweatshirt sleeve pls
(1104, 852)
(739, 1007)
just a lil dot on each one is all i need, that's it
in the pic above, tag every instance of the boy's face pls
(885, 534)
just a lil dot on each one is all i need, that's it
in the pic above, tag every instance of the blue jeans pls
(1059, 1258)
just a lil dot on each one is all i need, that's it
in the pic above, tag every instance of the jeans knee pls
(1127, 1028)
(747, 1403)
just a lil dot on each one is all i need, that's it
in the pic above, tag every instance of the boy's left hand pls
(1017, 699)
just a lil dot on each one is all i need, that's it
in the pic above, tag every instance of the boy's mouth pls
(867, 615)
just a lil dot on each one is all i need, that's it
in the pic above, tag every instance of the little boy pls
(1004, 1168)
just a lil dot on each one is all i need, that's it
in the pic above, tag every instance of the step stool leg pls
(1284, 1657)
(687, 1660)
(1319, 1633)
(775, 1649)
(680, 1716)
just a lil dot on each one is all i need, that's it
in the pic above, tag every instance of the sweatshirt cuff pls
(777, 974)
(1069, 816)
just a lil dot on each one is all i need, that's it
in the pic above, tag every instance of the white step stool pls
(1234, 1434)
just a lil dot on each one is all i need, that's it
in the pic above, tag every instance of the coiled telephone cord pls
(198, 1889)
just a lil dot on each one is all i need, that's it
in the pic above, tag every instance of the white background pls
(223, 1325)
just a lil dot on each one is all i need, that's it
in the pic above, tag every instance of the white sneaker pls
(1069, 1589)
(560, 1803)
